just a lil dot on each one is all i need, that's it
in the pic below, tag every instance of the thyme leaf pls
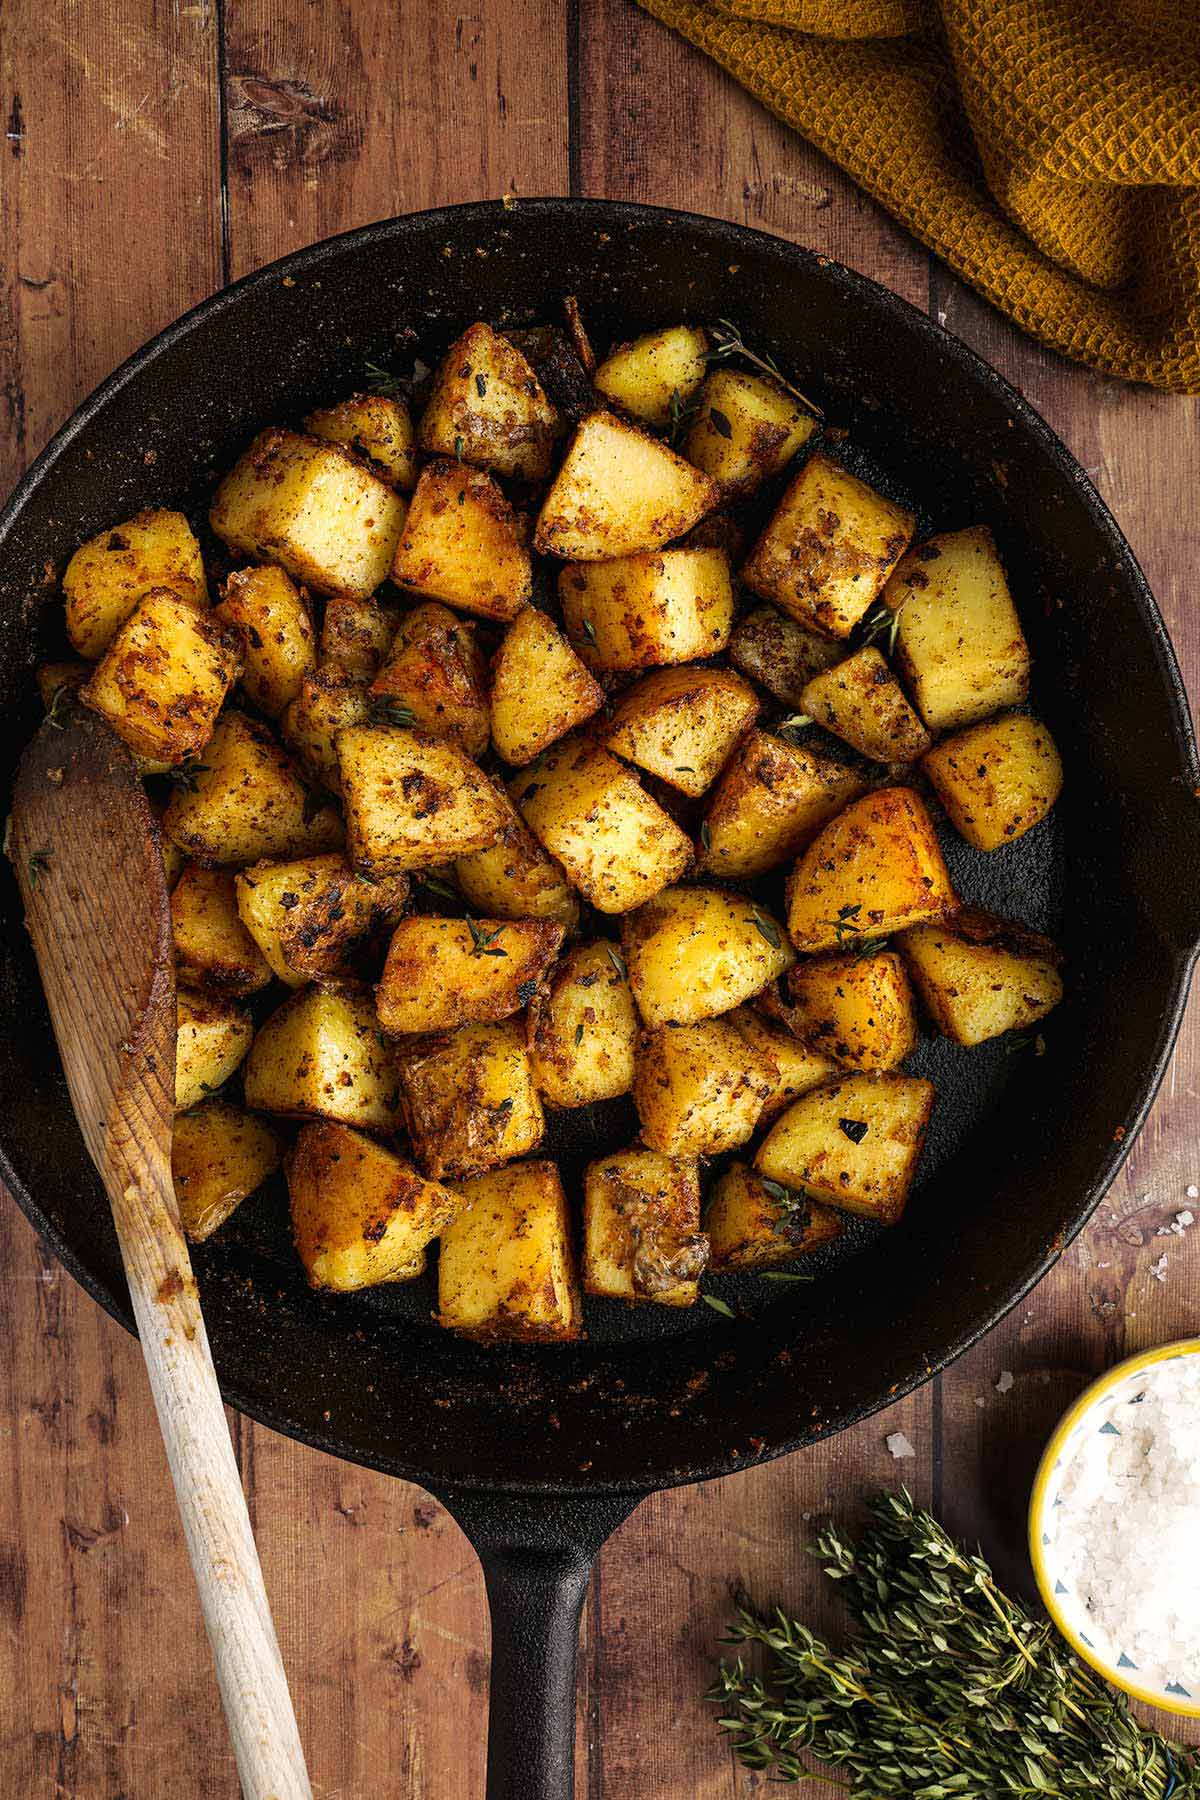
(617, 961)
(386, 709)
(483, 943)
(720, 421)
(767, 928)
(39, 862)
(719, 1306)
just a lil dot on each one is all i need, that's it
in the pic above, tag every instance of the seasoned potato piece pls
(357, 634)
(469, 1099)
(463, 544)
(441, 973)
(619, 491)
(798, 1067)
(360, 1214)
(412, 800)
(756, 1224)
(681, 724)
(779, 654)
(616, 844)
(311, 508)
(853, 1143)
(693, 953)
(213, 1034)
(58, 679)
(699, 1089)
(487, 407)
(959, 642)
(313, 918)
(641, 1224)
(996, 780)
(861, 702)
(219, 1155)
(245, 802)
(163, 679)
(582, 1029)
(320, 1056)
(329, 700)
(514, 878)
(506, 1267)
(212, 946)
(436, 674)
(772, 799)
(646, 609)
(979, 975)
(374, 426)
(875, 868)
(744, 430)
(271, 615)
(540, 689)
(828, 548)
(857, 1009)
(654, 373)
(108, 575)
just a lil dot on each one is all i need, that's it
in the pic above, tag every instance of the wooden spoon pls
(88, 857)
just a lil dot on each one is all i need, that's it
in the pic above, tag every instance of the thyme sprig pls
(483, 943)
(729, 341)
(387, 709)
(881, 622)
(386, 383)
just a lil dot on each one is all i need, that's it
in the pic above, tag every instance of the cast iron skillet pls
(540, 1452)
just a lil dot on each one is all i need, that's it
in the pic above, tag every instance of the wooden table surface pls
(153, 152)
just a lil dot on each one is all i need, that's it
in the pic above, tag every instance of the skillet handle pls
(537, 1556)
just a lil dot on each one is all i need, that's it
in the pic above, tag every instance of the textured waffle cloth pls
(1048, 150)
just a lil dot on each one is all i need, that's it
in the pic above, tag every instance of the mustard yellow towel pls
(1049, 150)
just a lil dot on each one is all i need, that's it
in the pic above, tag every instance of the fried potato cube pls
(853, 1144)
(245, 802)
(212, 1036)
(694, 952)
(582, 1029)
(647, 609)
(107, 576)
(311, 508)
(329, 700)
(641, 1226)
(469, 1099)
(514, 878)
(506, 1265)
(681, 724)
(361, 1215)
(861, 702)
(272, 618)
(857, 1009)
(828, 548)
(656, 375)
(435, 676)
(357, 634)
(488, 407)
(756, 1224)
(442, 973)
(320, 1056)
(412, 800)
(997, 780)
(540, 688)
(875, 868)
(798, 1067)
(212, 946)
(779, 654)
(463, 544)
(771, 800)
(616, 844)
(617, 491)
(220, 1155)
(744, 429)
(164, 677)
(979, 975)
(700, 1089)
(376, 427)
(313, 918)
(959, 643)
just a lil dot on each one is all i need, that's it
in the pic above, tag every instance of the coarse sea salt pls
(1126, 1524)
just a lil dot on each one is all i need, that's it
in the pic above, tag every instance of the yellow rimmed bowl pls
(1118, 1386)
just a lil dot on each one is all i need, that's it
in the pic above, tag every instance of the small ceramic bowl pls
(1066, 1606)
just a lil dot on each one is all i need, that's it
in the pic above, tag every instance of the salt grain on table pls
(899, 1445)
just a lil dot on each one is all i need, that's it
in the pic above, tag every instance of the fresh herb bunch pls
(949, 1689)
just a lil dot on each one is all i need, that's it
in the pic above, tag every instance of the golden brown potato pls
(681, 724)
(329, 700)
(772, 799)
(582, 1029)
(213, 1035)
(798, 1067)
(360, 1214)
(875, 868)
(506, 1268)
(321, 1056)
(858, 1009)
(700, 1089)
(745, 428)
(514, 878)
(641, 1223)
(412, 800)
(828, 548)
(164, 677)
(646, 609)
(861, 702)
(212, 946)
(754, 1223)
(618, 491)
(487, 407)
(374, 426)
(357, 635)
(108, 575)
(469, 1099)
(779, 654)
(220, 1155)
(853, 1144)
(463, 544)
(245, 802)
(656, 375)
(272, 618)
(315, 919)
(694, 952)
(442, 973)
(979, 975)
(540, 688)
(435, 676)
(997, 780)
